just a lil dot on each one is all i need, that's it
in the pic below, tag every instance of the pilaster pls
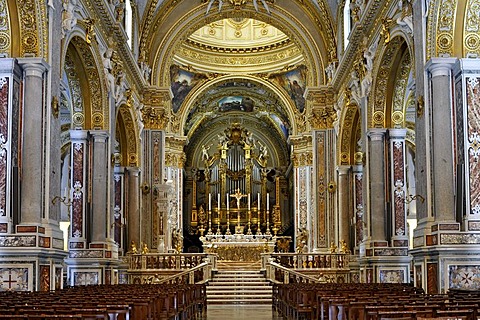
(344, 218)
(440, 79)
(33, 176)
(303, 186)
(398, 181)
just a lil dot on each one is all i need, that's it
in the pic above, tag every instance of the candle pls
(258, 201)
(249, 201)
(267, 202)
(218, 204)
(227, 202)
(209, 201)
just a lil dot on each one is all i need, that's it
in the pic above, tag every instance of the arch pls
(347, 145)
(453, 29)
(90, 105)
(127, 134)
(29, 31)
(382, 113)
(195, 94)
(308, 35)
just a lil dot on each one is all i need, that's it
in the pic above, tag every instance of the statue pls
(210, 4)
(333, 247)
(144, 248)
(205, 155)
(344, 248)
(255, 4)
(385, 32)
(302, 239)
(133, 248)
(368, 55)
(69, 21)
(406, 15)
(177, 241)
(120, 86)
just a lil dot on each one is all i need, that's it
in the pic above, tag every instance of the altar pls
(238, 247)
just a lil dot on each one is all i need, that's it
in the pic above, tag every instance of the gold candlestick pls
(209, 223)
(249, 232)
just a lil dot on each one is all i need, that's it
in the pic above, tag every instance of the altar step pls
(239, 286)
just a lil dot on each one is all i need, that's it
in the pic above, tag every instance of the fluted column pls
(398, 180)
(376, 179)
(32, 143)
(344, 218)
(133, 218)
(100, 210)
(442, 147)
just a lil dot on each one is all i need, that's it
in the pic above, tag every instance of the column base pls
(444, 257)
(31, 259)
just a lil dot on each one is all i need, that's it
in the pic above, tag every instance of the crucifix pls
(238, 195)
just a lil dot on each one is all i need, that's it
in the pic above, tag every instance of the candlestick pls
(209, 201)
(268, 202)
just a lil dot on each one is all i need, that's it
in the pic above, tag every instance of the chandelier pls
(238, 3)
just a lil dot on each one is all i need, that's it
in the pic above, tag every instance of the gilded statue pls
(177, 241)
(333, 247)
(145, 248)
(133, 248)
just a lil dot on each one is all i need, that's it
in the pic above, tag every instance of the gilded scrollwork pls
(5, 30)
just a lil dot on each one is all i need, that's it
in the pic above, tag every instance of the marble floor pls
(241, 312)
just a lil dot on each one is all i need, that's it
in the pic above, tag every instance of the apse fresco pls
(235, 104)
(294, 82)
(182, 83)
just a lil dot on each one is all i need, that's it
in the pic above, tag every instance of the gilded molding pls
(99, 107)
(154, 118)
(377, 104)
(132, 143)
(471, 34)
(400, 87)
(347, 135)
(198, 19)
(445, 28)
(5, 30)
(31, 14)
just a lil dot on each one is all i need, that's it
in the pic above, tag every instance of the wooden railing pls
(153, 268)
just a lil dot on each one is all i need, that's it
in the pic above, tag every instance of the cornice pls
(109, 28)
(365, 27)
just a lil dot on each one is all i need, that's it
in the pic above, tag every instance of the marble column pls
(358, 203)
(344, 219)
(78, 188)
(10, 75)
(32, 185)
(441, 135)
(133, 214)
(398, 186)
(100, 208)
(376, 181)
(118, 230)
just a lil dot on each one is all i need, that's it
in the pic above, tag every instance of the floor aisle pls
(241, 312)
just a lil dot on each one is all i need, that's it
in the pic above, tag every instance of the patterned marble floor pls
(241, 312)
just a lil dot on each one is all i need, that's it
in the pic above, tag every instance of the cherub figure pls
(133, 248)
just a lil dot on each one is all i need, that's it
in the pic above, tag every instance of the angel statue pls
(177, 241)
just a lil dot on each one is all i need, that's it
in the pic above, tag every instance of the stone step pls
(245, 282)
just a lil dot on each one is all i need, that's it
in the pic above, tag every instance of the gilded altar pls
(238, 247)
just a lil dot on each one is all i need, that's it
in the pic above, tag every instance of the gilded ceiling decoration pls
(33, 28)
(238, 96)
